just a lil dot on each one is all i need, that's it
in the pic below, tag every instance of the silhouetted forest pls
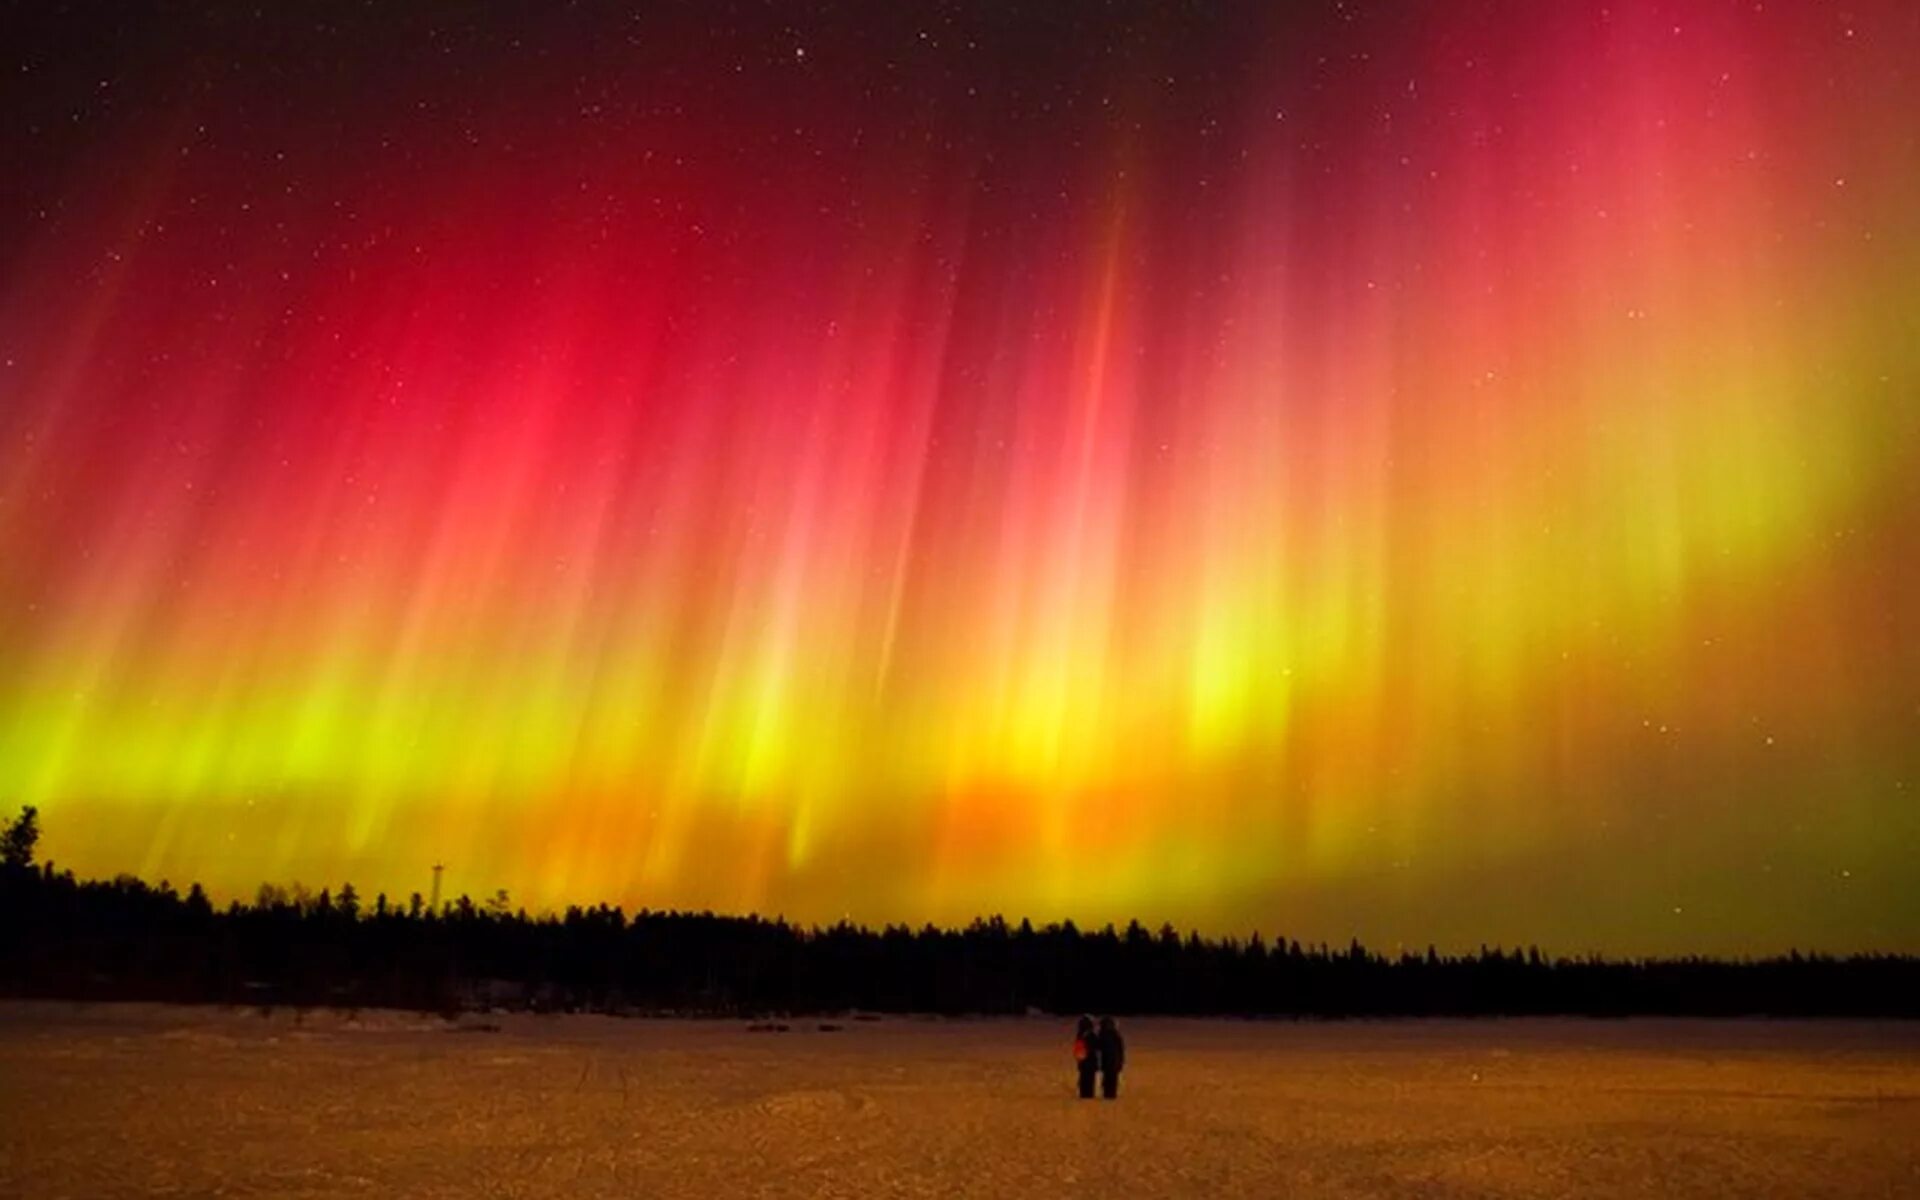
(125, 940)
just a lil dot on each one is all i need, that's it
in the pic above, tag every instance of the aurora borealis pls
(1431, 472)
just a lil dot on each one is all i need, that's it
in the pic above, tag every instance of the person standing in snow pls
(1086, 1055)
(1112, 1053)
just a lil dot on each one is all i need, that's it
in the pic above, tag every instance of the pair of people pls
(1101, 1052)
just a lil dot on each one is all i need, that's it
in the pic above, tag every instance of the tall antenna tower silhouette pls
(433, 905)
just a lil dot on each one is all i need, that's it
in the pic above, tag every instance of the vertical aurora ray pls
(1429, 473)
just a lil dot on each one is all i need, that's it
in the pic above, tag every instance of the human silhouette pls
(1112, 1052)
(1086, 1056)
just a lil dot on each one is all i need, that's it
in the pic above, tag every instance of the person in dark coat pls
(1086, 1055)
(1113, 1057)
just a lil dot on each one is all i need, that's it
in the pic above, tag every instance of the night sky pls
(1435, 472)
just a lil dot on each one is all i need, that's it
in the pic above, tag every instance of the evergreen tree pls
(20, 837)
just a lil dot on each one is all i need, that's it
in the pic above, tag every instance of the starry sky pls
(1434, 472)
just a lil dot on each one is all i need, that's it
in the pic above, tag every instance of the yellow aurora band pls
(1438, 480)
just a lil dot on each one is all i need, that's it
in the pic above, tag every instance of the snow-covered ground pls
(135, 1100)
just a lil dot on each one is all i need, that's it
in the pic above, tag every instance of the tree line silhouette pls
(123, 939)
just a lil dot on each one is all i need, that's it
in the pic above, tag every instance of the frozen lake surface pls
(134, 1100)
